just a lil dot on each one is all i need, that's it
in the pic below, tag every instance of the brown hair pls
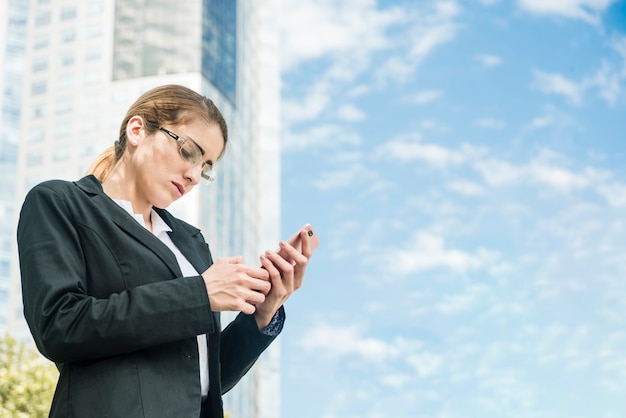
(165, 105)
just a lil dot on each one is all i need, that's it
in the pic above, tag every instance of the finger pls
(299, 264)
(254, 298)
(306, 244)
(230, 260)
(259, 286)
(254, 272)
(283, 265)
(270, 268)
(295, 256)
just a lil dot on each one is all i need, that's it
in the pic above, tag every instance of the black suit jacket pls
(105, 299)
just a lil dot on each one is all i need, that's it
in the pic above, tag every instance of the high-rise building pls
(86, 62)
(12, 41)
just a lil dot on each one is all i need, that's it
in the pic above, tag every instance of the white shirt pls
(160, 230)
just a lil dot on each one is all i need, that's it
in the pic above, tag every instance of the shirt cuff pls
(276, 324)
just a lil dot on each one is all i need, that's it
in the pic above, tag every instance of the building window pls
(93, 31)
(36, 135)
(67, 35)
(93, 54)
(65, 81)
(89, 125)
(38, 111)
(62, 130)
(64, 105)
(39, 87)
(61, 154)
(144, 47)
(43, 18)
(219, 45)
(34, 158)
(92, 76)
(41, 41)
(68, 13)
(40, 64)
(66, 59)
(87, 148)
(94, 7)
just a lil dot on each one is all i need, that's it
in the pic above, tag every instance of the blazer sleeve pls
(241, 345)
(70, 325)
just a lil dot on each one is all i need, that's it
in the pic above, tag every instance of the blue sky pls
(463, 163)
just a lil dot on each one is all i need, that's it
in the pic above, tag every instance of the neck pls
(120, 185)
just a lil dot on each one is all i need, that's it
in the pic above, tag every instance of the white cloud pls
(346, 176)
(586, 10)
(411, 148)
(427, 251)
(321, 136)
(433, 125)
(313, 29)
(428, 30)
(497, 172)
(490, 123)
(610, 76)
(425, 96)
(558, 84)
(614, 193)
(558, 178)
(608, 79)
(488, 60)
(466, 188)
(347, 341)
(350, 38)
(307, 108)
(541, 121)
(425, 364)
(350, 113)
(544, 169)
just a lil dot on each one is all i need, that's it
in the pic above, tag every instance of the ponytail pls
(103, 165)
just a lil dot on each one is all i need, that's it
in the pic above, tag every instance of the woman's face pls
(162, 175)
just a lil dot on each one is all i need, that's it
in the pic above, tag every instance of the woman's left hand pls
(285, 276)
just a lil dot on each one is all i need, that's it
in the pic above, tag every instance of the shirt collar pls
(158, 224)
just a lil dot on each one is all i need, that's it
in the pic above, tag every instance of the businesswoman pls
(124, 297)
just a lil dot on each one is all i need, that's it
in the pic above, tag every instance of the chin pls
(163, 202)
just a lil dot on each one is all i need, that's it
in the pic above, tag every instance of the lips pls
(180, 188)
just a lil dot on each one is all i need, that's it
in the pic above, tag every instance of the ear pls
(135, 130)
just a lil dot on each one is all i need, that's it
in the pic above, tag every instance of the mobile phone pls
(296, 242)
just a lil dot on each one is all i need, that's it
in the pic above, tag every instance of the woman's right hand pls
(234, 286)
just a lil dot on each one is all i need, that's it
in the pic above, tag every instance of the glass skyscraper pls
(13, 15)
(86, 62)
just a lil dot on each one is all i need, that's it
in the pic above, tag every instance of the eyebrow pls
(197, 145)
(209, 162)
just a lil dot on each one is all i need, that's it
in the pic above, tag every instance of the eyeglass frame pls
(209, 175)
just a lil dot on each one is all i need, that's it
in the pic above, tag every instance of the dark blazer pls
(105, 300)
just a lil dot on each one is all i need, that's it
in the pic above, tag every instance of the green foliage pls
(27, 380)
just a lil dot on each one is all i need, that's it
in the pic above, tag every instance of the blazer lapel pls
(195, 249)
(125, 221)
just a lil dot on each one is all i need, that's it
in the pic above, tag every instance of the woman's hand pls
(285, 277)
(234, 286)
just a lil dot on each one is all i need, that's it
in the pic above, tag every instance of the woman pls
(123, 296)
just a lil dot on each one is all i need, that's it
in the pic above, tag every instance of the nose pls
(193, 173)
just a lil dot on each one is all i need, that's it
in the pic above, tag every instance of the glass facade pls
(13, 20)
(219, 45)
(163, 39)
(86, 62)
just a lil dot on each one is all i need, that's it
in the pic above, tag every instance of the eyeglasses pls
(190, 152)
